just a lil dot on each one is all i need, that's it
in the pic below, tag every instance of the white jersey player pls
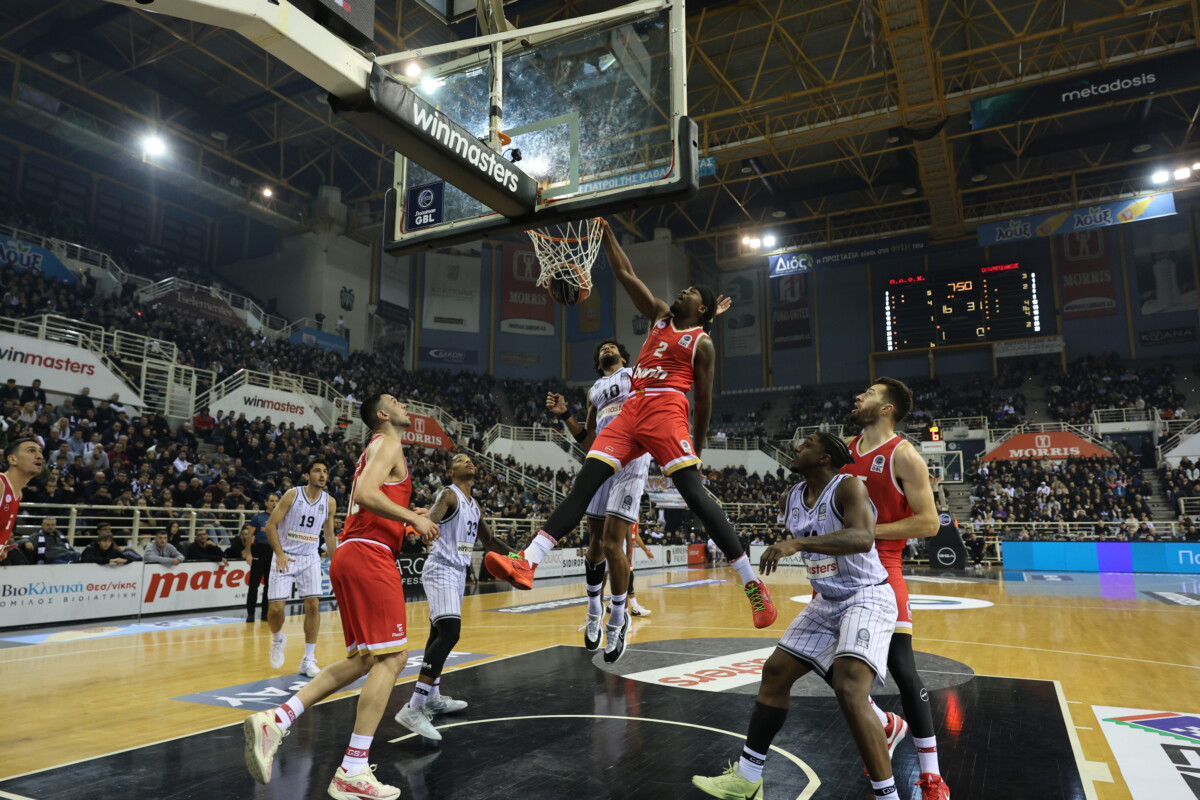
(614, 508)
(460, 525)
(303, 515)
(843, 634)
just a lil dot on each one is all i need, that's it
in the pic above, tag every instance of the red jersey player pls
(370, 597)
(897, 481)
(23, 460)
(677, 355)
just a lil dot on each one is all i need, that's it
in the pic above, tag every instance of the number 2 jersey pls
(457, 531)
(833, 577)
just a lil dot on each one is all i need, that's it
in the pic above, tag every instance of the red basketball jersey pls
(665, 362)
(9, 503)
(362, 524)
(874, 468)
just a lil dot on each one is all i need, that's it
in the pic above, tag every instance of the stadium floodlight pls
(1182, 174)
(768, 241)
(267, 192)
(1160, 176)
(153, 145)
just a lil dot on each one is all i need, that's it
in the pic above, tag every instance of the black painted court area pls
(998, 737)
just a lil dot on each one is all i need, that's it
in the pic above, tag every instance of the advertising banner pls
(448, 355)
(427, 432)
(1162, 261)
(188, 586)
(1163, 336)
(593, 318)
(60, 367)
(1086, 269)
(206, 305)
(798, 261)
(1158, 751)
(1118, 83)
(1037, 226)
(525, 307)
(452, 297)
(323, 339)
(1050, 445)
(56, 593)
(1044, 345)
(260, 401)
(742, 328)
(790, 327)
(22, 256)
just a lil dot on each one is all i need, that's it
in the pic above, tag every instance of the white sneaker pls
(591, 632)
(444, 704)
(263, 736)
(418, 721)
(308, 667)
(638, 611)
(277, 651)
(362, 785)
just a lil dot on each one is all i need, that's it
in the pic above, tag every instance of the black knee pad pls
(448, 630)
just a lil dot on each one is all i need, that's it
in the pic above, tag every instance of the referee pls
(260, 561)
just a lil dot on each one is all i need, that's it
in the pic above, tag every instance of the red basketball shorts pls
(654, 423)
(370, 597)
(904, 621)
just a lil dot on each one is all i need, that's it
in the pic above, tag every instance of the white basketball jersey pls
(832, 576)
(457, 532)
(608, 394)
(300, 533)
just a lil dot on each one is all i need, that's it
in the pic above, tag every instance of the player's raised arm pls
(706, 357)
(913, 473)
(644, 301)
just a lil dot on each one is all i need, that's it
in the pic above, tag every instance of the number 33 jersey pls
(457, 531)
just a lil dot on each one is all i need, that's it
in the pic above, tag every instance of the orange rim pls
(505, 139)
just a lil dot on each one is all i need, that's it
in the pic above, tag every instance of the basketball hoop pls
(567, 251)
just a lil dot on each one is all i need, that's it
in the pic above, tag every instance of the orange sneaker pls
(512, 568)
(933, 787)
(761, 605)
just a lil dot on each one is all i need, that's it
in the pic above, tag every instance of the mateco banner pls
(1055, 445)
(60, 367)
(280, 406)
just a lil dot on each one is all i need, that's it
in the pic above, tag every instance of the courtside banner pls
(1050, 445)
(525, 307)
(36, 595)
(260, 401)
(60, 367)
(1133, 80)
(1037, 226)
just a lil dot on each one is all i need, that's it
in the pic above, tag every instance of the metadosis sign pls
(1055, 445)
(60, 367)
(280, 406)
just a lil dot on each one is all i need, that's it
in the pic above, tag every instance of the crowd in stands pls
(1096, 383)
(1180, 481)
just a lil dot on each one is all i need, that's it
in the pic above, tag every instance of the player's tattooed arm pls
(490, 541)
(446, 502)
(643, 299)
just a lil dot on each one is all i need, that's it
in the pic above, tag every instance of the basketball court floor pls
(1045, 686)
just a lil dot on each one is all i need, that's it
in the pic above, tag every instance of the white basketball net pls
(567, 251)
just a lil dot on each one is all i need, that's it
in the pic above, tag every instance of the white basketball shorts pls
(444, 585)
(621, 495)
(859, 626)
(304, 572)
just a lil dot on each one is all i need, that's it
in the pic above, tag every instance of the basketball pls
(566, 293)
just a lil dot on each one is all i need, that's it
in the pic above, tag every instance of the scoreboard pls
(961, 306)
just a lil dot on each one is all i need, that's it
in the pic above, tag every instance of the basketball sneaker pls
(308, 667)
(638, 611)
(761, 605)
(512, 568)
(277, 651)
(933, 787)
(729, 785)
(591, 633)
(418, 721)
(362, 785)
(894, 731)
(263, 736)
(445, 704)
(614, 644)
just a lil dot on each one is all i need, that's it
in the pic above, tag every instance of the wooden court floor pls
(1098, 643)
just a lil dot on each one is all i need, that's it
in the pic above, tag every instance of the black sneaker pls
(614, 645)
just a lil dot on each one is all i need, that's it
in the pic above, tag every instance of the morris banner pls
(1054, 445)
(525, 307)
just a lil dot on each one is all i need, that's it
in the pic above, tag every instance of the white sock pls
(617, 617)
(437, 689)
(744, 570)
(310, 651)
(927, 754)
(884, 788)
(422, 694)
(750, 765)
(595, 595)
(277, 637)
(357, 753)
(542, 544)
(288, 713)
(882, 717)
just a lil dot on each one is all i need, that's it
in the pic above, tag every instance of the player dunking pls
(677, 354)
(842, 634)
(293, 531)
(613, 509)
(897, 480)
(23, 461)
(460, 523)
(371, 605)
